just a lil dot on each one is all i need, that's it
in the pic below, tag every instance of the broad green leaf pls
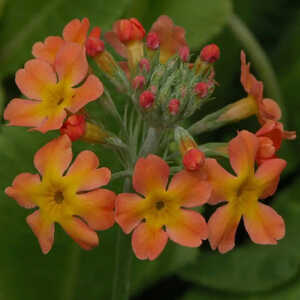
(201, 19)
(67, 272)
(24, 23)
(253, 268)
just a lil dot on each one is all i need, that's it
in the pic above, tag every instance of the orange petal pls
(97, 208)
(222, 227)
(222, 182)
(34, 78)
(263, 224)
(188, 229)
(272, 130)
(189, 187)
(242, 152)
(76, 31)
(128, 211)
(272, 110)
(52, 122)
(43, 229)
(71, 64)
(54, 157)
(47, 51)
(150, 173)
(84, 173)
(83, 235)
(113, 40)
(268, 174)
(148, 242)
(20, 112)
(22, 189)
(91, 90)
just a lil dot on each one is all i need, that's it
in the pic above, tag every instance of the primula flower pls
(75, 31)
(160, 215)
(63, 198)
(171, 37)
(270, 137)
(52, 90)
(242, 192)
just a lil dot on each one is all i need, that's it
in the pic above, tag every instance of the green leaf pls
(202, 19)
(254, 268)
(67, 272)
(35, 20)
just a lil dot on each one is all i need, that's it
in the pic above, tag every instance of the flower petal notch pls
(72, 199)
(242, 193)
(53, 91)
(161, 212)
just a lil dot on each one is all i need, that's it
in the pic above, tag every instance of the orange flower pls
(75, 31)
(61, 198)
(242, 192)
(52, 90)
(171, 37)
(159, 214)
(270, 137)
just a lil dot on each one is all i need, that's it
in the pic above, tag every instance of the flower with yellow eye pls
(242, 193)
(68, 199)
(52, 90)
(161, 213)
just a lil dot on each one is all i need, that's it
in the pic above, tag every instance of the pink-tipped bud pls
(147, 99)
(201, 89)
(184, 53)
(145, 65)
(210, 53)
(93, 43)
(74, 127)
(152, 41)
(138, 82)
(174, 105)
(193, 159)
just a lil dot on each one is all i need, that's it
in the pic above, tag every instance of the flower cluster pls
(165, 87)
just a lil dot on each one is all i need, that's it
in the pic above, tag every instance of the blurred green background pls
(249, 271)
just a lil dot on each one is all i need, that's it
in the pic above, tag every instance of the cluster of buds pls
(161, 87)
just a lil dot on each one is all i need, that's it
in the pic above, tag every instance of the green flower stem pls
(151, 142)
(120, 174)
(121, 284)
(259, 58)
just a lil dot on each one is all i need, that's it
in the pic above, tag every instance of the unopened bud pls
(129, 30)
(74, 127)
(152, 41)
(184, 53)
(210, 53)
(174, 105)
(93, 43)
(184, 140)
(147, 99)
(201, 89)
(193, 159)
(145, 65)
(138, 82)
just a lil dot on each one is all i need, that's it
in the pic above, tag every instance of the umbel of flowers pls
(165, 188)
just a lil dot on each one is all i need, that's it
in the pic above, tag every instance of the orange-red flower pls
(63, 197)
(242, 192)
(161, 213)
(75, 31)
(52, 90)
(171, 37)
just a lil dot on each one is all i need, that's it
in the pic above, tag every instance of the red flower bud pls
(74, 127)
(147, 99)
(174, 105)
(138, 82)
(129, 30)
(93, 43)
(184, 53)
(152, 41)
(210, 53)
(201, 89)
(145, 65)
(193, 159)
